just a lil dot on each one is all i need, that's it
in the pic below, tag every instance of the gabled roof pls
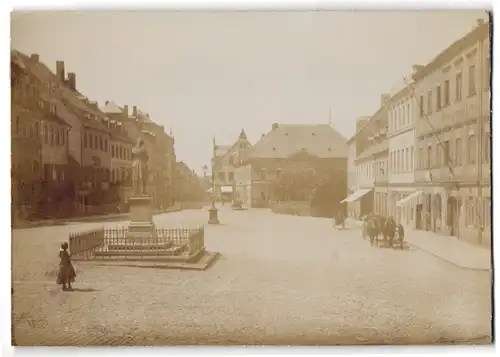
(319, 140)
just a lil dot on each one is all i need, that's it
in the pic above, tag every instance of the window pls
(470, 212)
(222, 176)
(438, 98)
(487, 74)
(58, 138)
(472, 80)
(458, 88)
(63, 137)
(446, 154)
(106, 145)
(231, 176)
(407, 160)
(411, 159)
(439, 154)
(46, 133)
(428, 163)
(446, 93)
(421, 157)
(408, 121)
(52, 135)
(429, 102)
(85, 140)
(487, 147)
(101, 144)
(112, 151)
(458, 152)
(96, 142)
(421, 106)
(471, 149)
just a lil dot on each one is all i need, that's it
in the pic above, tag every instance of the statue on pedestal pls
(140, 168)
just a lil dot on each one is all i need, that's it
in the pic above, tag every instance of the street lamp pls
(212, 211)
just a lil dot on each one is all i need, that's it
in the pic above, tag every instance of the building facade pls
(371, 146)
(291, 148)
(224, 162)
(453, 139)
(402, 109)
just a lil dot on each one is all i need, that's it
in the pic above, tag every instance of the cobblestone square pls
(280, 280)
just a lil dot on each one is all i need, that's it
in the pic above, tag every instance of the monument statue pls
(140, 168)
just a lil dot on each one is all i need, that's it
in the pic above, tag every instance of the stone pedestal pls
(212, 215)
(141, 218)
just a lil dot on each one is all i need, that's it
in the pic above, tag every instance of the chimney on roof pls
(275, 126)
(263, 135)
(384, 98)
(134, 110)
(416, 68)
(125, 110)
(61, 75)
(72, 80)
(480, 22)
(35, 57)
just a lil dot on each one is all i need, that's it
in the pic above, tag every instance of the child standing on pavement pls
(66, 274)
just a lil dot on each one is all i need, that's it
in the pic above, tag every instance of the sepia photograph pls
(251, 178)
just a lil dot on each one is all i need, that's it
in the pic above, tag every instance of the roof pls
(320, 140)
(112, 108)
(479, 33)
(373, 150)
(373, 118)
(64, 94)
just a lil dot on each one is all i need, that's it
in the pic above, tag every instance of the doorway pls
(418, 216)
(452, 215)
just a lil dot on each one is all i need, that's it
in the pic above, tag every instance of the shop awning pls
(226, 189)
(356, 195)
(408, 198)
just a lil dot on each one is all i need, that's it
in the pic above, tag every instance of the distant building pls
(224, 163)
(309, 147)
(189, 186)
(371, 148)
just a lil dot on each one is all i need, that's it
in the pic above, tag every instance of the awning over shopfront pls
(408, 199)
(226, 189)
(356, 195)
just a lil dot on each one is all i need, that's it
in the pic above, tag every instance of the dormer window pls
(313, 134)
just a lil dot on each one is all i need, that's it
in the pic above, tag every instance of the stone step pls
(172, 251)
(141, 247)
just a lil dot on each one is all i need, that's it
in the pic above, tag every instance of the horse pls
(370, 230)
(389, 231)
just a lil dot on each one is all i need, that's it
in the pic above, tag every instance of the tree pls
(295, 184)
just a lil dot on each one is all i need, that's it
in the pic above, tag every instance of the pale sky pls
(208, 74)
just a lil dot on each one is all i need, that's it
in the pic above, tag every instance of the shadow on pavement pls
(77, 290)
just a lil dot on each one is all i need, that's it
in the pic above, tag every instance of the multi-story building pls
(160, 147)
(224, 163)
(40, 153)
(453, 139)
(315, 148)
(402, 196)
(371, 146)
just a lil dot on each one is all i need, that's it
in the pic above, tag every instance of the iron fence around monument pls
(169, 241)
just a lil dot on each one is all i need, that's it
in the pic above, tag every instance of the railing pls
(86, 243)
(168, 241)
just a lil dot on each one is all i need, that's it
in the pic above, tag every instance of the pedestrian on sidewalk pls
(66, 274)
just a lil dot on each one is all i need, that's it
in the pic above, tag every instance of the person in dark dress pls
(66, 273)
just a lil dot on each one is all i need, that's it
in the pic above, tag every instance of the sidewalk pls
(450, 249)
(98, 218)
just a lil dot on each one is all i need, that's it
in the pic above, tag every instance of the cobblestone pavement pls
(280, 280)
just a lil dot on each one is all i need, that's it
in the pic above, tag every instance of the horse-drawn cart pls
(383, 232)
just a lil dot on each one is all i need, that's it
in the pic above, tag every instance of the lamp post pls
(212, 211)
